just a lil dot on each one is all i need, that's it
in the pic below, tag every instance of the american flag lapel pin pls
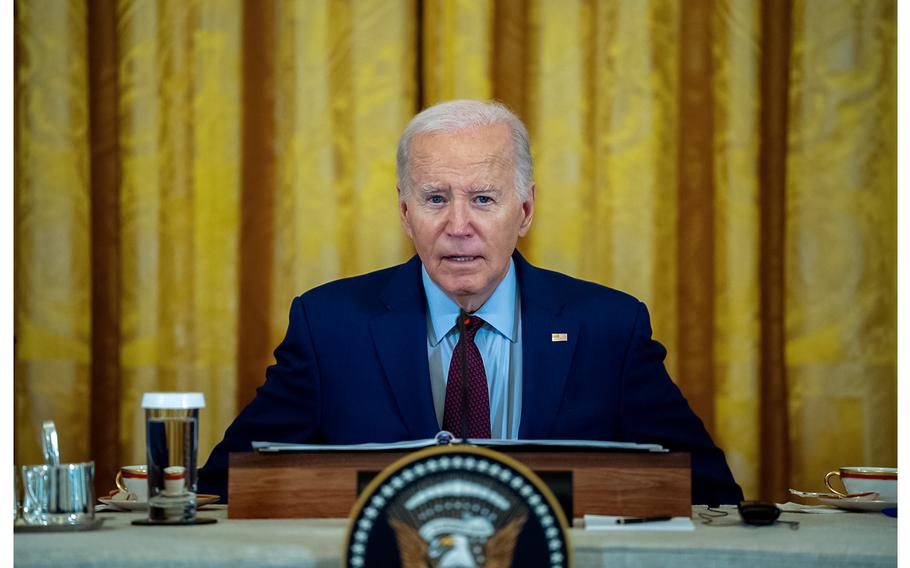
(559, 337)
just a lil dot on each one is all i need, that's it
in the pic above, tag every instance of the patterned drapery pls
(183, 169)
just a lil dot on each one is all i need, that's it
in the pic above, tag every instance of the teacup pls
(133, 481)
(881, 480)
(174, 480)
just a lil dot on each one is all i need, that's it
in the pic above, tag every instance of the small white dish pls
(857, 504)
(125, 505)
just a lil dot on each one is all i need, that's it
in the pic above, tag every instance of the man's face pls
(463, 212)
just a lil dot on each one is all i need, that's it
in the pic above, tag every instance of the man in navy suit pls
(375, 358)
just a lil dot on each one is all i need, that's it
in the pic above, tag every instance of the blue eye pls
(436, 199)
(484, 199)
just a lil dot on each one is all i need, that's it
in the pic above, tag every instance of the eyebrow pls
(488, 188)
(431, 188)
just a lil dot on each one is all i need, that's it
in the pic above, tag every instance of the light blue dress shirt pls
(499, 342)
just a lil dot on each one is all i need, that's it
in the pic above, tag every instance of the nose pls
(459, 219)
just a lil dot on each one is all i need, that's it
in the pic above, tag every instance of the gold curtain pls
(183, 169)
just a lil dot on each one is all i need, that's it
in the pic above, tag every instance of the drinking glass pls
(172, 441)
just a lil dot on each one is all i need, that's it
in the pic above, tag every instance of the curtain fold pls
(840, 254)
(260, 172)
(774, 427)
(695, 210)
(178, 192)
(737, 101)
(457, 50)
(183, 169)
(106, 381)
(52, 209)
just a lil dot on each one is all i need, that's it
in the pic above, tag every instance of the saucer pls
(124, 505)
(857, 504)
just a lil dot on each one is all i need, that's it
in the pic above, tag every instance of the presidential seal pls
(457, 506)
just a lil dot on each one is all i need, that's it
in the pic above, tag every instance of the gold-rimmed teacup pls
(133, 481)
(865, 479)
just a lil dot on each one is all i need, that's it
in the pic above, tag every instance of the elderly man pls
(380, 357)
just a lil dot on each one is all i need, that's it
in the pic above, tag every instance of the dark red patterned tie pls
(478, 396)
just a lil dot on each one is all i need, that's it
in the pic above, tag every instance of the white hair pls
(453, 116)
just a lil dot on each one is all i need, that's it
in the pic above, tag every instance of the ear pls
(403, 213)
(527, 210)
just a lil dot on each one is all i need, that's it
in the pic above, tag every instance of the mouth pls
(463, 259)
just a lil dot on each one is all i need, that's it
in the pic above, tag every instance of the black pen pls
(636, 520)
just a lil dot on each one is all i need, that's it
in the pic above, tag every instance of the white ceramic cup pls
(174, 480)
(882, 480)
(134, 481)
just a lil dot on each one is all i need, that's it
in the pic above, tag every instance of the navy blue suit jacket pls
(353, 368)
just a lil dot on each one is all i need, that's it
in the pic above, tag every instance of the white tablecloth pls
(830, 541)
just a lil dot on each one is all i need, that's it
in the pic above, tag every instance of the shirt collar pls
(498, 311)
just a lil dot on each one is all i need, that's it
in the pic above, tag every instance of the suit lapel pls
(400, 337)
(546, 358)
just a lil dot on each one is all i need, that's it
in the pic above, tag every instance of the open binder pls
(496, 444)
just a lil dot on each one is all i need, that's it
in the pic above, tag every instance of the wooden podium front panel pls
(298, 485)
(625, 484)
(324, 484)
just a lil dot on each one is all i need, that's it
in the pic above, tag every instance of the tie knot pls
(472, 324)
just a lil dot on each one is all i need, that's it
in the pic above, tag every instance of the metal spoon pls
(49, 443)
